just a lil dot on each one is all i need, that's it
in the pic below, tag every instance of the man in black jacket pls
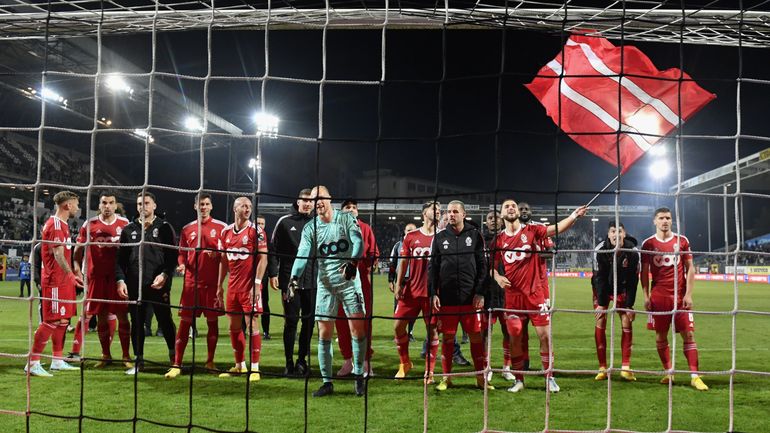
(285, 241)
(157, 269)
(456, 276)
(625, 266)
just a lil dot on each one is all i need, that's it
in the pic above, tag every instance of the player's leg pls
(600, 339)
(514, 327)
(186, 313)
(403, 314)
(44, 332)
(81, 328)
(686, 328)
(352, 300)
(124, 332)
(307, 320)
(291, 310)
(447, 326)
(67, 309)
(265, 316)
(255, 336)
(506, 344)
(344, 341)
(212, 337)
(162, 311)
(325, 310)
(626, 344)
(471, 322)
(137, 313)
(237, 339)
(546, 354)
(103, 330)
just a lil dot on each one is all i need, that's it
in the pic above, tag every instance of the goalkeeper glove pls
(350, 270)
(291, 288)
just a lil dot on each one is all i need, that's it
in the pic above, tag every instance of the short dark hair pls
(661, 210)
(431, 203)
(147, 194)
(305, 191)
(108, 193)
(348, 201)
(203, 196)
(261, 216)
(612, 225)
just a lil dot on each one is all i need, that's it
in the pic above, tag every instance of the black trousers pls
(159, 299)
(23, 283)
(265, 318)
(301, 307)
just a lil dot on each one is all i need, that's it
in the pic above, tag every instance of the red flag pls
(589, 98)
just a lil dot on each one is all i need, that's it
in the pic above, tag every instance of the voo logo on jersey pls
(238, 254)
(665, 260)
(421, 252)
(334, 248)
(514, 256)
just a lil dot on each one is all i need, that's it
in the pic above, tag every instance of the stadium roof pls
(754, 174)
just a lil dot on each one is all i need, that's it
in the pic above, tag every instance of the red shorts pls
(683, 321)
(621, 299)
(53, 309)
(207, 303)
(448, 318)
(104, 287)
(501, 315)
(537, 304)
(241, 302)
(410, 308)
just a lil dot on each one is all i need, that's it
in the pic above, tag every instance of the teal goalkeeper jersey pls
(335, 243)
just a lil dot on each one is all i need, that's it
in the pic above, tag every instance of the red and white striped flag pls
(649, 100)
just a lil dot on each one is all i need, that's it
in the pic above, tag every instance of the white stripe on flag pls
(596, 110)
(628, 84)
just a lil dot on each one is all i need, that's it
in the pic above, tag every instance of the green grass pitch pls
(278, 404)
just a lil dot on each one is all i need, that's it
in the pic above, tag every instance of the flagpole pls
(603, 189)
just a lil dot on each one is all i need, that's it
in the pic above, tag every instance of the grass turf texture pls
(277, 404)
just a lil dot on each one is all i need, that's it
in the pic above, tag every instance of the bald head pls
(323, 202)
(242, 208)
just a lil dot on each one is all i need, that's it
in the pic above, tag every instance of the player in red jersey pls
(58, 282)
(673, 275)
(199, 260)
(371, 252)
(245, 259)
(102, 229)
(412, 292)
(523, 284)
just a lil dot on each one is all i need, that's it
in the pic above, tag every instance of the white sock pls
(693, 375)
(254, 366)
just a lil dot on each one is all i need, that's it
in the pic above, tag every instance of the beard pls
(525, 218)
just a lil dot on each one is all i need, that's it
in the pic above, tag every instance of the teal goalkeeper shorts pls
(327, 301)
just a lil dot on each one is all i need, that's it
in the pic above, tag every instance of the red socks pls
(124, 333)
(256, 345)
(77, 340)
(447, 353)
(182, 337)
(239, 342)
(211, 339)
(432, 353)
(479, 357)
(626, 342)
(103, 328)
(57, 340)
(691, 353)
(664, 353)
(506, 352)
(42, 335)
(600, 337)
(402, 343)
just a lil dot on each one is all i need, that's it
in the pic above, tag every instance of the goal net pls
(394, 104)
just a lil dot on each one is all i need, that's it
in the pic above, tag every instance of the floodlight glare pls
(658, 150)
(543, 219)
(254, 163)
(595, 219)
(660, 169)
(193, 123)
(117, 83)
(267, 124)
(144, 134)
(51, 95)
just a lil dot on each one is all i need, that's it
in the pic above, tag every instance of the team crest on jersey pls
(119, 230)
(133, 236)
(417, 242)
(468, 241)
(445, 244)
(193, 236)
(228, 240)
(625, 262)
(244, 240)
(524, 238)
(155, 232)
(213, 233)
(293, 229)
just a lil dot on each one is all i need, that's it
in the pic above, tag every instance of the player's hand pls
(580, 212)
(122, 290)
(349, 270)
(274, 283)
(75, 279)
(631, 315)
(502, 281)
(158, 282)
(647, 304)
(180, 269)
(436, 304)
(291, 289)
(220, 297)
(392, 286)
(687, 302)
(478, 302)
(599, 312)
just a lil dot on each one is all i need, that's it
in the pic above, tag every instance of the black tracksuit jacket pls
(458, 266)
(627, 270)
(156, 259)
(285, 242)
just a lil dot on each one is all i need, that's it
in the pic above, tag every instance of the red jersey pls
(241, 248)
(663, 266)
(521, 266)
(100, 259)
(55, 234)
(204, 270)
(416, 249)
(371, 252)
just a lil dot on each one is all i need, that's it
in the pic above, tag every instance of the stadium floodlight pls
(544, 219)
(595, 220)
(52, 95)
(417, 218)
(659, 169)
(255, 163)
(267, 124)
(144, 134)
(193, 123)
(116, 83)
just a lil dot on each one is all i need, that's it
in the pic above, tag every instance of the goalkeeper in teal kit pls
(334, 239)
